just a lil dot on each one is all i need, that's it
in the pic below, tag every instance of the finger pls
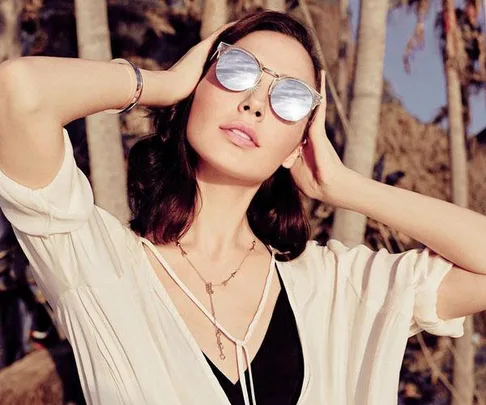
(318, 125)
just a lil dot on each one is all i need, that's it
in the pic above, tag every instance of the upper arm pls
(31, 142)
(461, 293)
(69, 242)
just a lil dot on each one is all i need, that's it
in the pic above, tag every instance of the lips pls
(242, 131)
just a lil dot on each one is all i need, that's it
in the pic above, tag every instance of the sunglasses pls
(238, 70)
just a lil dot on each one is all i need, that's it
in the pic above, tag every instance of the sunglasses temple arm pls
(214, 54)
(217, 51)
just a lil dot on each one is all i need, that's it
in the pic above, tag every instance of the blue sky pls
(422, 92)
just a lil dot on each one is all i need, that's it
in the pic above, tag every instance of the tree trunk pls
(463, 378)
(107, 166)
(456, 124)
(464, 360)
(349, 226)
(10, 45)
(275, 5)
(214, 15)
(342, 73)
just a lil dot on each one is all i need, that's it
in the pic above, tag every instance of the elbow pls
(17, 84)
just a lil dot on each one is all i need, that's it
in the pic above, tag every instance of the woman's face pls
(214, 108)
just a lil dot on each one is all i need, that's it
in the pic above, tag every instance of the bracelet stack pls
(137, 80)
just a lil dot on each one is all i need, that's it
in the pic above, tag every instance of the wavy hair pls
(162, 185)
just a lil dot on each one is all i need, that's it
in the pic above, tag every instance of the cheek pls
(209, 102)
(205, 117)
(283, 140)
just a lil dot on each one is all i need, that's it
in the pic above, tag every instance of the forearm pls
(454, 232)
(71, 88)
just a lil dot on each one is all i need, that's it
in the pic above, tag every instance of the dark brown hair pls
(162, 185)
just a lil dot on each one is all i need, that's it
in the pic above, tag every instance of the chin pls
(228, 170)
(226, 162)
(223, 167)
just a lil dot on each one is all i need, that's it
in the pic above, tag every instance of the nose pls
(248, 106)
(256, 99)
(253, 105)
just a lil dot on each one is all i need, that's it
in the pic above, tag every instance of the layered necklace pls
(210, 291)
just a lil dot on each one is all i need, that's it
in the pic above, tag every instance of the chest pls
(243, 308)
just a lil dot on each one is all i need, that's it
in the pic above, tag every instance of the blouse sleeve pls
(69, 241)
(62, 206)
(406, 282)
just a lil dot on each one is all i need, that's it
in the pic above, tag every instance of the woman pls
(214, 295)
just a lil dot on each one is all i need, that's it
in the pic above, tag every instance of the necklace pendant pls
(220, 345)
(209, 288)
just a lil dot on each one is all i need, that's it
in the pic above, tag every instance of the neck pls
(220, 224)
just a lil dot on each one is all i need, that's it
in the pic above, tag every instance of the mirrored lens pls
(237, 71)
(291, 100)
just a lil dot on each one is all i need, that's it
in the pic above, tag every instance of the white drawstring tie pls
(240, 349)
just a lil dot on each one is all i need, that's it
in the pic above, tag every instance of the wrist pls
(341, 191)
(136, 81)
(161, 87)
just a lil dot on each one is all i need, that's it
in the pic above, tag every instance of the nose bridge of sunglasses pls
(272, 80)
(270, 72)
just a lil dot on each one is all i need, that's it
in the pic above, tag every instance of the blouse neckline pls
(240, 344)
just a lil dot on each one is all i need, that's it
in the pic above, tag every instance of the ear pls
(292, 158)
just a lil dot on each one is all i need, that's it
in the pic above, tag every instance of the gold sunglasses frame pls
(223, 47)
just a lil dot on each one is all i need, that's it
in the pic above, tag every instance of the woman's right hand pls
(184, 75)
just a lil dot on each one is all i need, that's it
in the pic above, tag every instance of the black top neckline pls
(278, 365)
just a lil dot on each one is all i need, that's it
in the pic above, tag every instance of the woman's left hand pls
(319, 169)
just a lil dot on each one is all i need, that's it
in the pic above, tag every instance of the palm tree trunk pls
(342, 73)
(463, 379)
(275, 5)
(349, 226)
(464, 359)
(214, 15)
(10, 46)
(456, 124)
(107, 166)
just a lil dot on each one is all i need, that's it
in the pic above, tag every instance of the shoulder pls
(332, 252)
(370, 273)
(316, 264)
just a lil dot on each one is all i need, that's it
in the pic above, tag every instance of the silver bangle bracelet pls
(138, 91)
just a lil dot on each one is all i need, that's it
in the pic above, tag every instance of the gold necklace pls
(209, 290)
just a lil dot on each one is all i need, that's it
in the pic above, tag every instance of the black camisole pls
(278, 366)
